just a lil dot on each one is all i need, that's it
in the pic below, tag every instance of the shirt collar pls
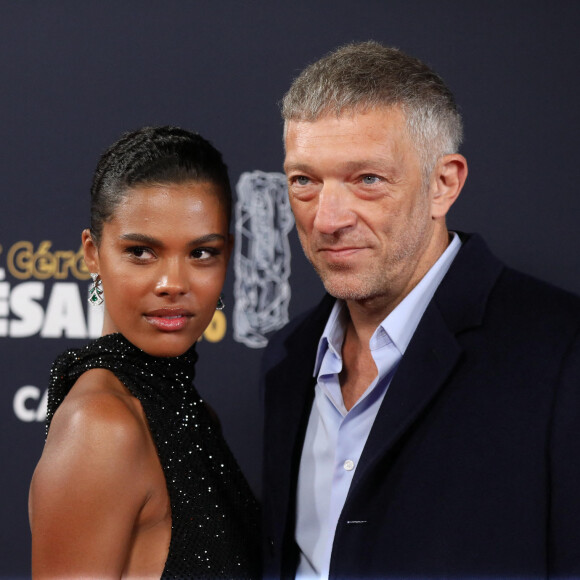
(333, 335)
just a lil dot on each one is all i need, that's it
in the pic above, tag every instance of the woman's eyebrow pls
(151, 241)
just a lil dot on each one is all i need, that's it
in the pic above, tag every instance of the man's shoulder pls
(299, 338)
(541, 311)
(478, 281)
(304, 325)
(542, 293)
(525, 287)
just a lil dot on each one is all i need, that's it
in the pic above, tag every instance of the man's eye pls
(301, 180)
(370, 179)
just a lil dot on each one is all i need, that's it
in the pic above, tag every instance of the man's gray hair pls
(358, 77)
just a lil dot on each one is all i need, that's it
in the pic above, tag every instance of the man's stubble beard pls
(381, 278)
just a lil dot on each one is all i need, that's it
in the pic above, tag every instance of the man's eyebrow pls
(296, 167)
(380, 163)
(151, 241)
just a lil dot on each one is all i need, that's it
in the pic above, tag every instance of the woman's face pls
(162, 259)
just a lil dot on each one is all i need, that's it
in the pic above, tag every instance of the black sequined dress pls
(215, 530)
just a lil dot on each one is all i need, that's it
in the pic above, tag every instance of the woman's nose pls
(172, 279)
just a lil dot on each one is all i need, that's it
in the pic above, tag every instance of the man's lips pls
(168, 319)
(332, 252)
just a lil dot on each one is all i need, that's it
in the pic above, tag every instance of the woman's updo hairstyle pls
(154, 156)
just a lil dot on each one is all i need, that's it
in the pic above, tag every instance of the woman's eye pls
(204, 253)
(139, 252)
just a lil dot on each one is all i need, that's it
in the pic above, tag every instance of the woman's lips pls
(168, 320)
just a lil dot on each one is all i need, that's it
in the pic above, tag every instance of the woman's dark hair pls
(154, 156)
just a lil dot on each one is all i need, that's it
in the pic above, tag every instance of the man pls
(424, 420)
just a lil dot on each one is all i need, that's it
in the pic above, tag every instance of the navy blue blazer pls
(472, 466)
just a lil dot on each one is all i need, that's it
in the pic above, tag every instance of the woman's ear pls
(91, 251)
(449, 176)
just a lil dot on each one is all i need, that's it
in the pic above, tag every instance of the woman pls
(135, 480)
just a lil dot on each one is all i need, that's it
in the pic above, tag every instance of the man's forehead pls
(346, 121)
(380, 127)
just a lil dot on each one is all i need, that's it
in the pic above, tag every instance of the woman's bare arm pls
(88, 490)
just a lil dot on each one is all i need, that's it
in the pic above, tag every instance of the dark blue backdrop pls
(76, 75)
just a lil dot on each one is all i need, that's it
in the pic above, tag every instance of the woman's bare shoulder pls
(97, 417)
(98, 399)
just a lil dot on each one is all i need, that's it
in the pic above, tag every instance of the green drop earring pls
(96, 290)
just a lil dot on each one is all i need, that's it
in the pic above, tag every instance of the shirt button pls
(348, 464)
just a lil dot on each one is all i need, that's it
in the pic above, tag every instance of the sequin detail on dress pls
(215, 530)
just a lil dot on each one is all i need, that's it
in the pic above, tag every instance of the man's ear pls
(447, 182)
(91, 252)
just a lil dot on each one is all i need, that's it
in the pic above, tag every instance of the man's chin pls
(346, 289)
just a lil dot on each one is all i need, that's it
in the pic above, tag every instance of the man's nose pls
(333, 212)
(173, 279)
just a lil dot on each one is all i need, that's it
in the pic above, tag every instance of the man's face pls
(362, 212)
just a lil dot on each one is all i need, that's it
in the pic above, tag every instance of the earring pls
(220, 303)
(96, 290)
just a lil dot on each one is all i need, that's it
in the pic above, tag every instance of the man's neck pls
(358, 366)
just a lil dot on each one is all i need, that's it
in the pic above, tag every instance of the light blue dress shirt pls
(335, 437)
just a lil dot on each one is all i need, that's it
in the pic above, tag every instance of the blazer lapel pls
(433, 352)
(430, 357)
